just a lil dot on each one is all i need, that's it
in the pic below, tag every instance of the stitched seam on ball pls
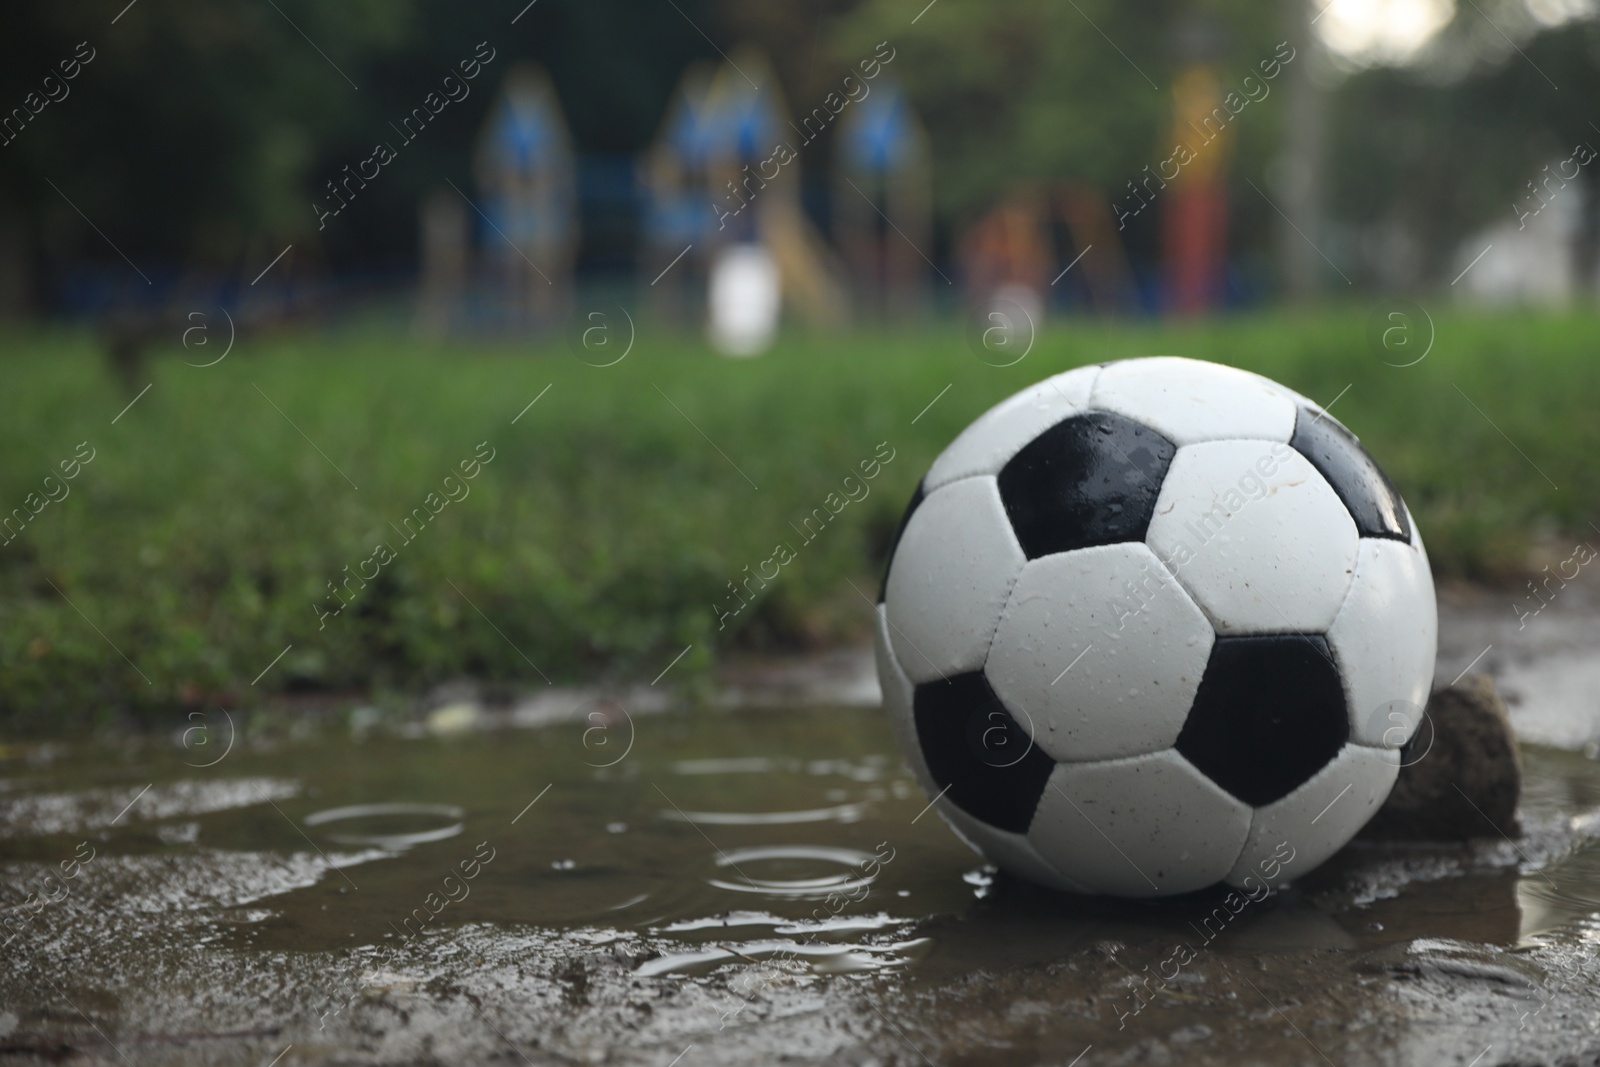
(1177, 579)
(1249, 831)
(1090, 406)
(1011, 583)
(1010, 586)
(881, 617)
(1077, 886)
(1349, 590)
(1075, 409)
(1345, 678)
(942, 486)
(988, 647)
(1230, 440)
(1194, 598)
(1088, 403)
(1251, 809)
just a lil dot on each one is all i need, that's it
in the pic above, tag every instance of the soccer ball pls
(1156, 625)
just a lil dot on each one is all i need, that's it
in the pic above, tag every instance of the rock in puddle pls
(1460, 775)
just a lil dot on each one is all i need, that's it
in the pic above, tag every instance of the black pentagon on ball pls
(1269, 714)
(1088, 480)
(916, 500)
(1367, 493)
(974, 749)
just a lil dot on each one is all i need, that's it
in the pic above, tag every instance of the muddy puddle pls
(734, 886)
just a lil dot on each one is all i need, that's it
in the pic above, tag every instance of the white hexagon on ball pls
(1313, 822)
(997, 435)
(1385, 640)
(1100, 651)
(1258, 538)
(1010, 851)
(898, 696)
(1141, 827)
(1188, 401)
(949, 580)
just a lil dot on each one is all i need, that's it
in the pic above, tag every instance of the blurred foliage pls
(1451, 142)
(1046, 92)
(193, 127)
(202, 130)
(1042, 91)
(602, 536)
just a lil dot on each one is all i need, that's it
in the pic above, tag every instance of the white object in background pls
(1526, 261)
(744, 300)
(1016, 295)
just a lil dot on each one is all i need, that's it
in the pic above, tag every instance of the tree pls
(1453, 141)
(187, 130)
(201, 132)
(1048, 91)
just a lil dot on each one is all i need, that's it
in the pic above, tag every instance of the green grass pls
(606, 527)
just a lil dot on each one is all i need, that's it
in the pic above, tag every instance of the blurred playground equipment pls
(731, 238)
(525, 213)
(883, 174)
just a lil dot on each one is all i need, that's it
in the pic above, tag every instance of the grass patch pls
(201, 539)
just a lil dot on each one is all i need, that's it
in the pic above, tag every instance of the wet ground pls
(582, 880)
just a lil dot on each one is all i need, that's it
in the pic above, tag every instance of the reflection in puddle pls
(834, 924)
(840, 882)
(33, 814)
(1552, 699)
(733, 765)
(383, 814)
(1567, 893)
(844, 813)
(869, 768)
(824, 958)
